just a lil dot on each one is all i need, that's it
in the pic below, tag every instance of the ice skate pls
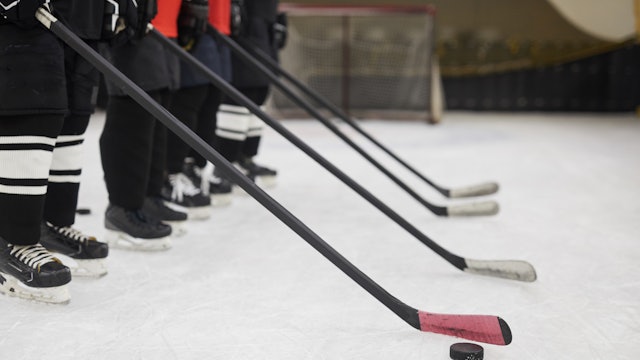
(218, 188)
(181, 194)
(133, 230)
(263, 176)
(84, 255)
(31, 272)
(155, 208)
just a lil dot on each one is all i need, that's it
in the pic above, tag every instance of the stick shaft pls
(405, 312)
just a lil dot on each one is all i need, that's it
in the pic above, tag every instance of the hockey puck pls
(466, 351)
(83, 211)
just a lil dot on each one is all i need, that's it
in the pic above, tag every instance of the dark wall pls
(606, 82)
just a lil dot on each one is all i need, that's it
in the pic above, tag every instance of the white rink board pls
(243, 286)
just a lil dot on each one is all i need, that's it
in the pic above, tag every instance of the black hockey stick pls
(483, 328)
(468, 191)
(508, 269)
(475, 209)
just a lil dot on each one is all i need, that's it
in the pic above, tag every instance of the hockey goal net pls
(370, 61)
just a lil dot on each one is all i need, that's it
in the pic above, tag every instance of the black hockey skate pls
(155, 208)
(83, 254)
(31, 272)
(133, 230)
(218, 188)
(261, 175)
(181, 194)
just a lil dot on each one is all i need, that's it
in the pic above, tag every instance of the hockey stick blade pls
(483, 208)
(483, 328)
(506, 269)
(483, 189)
(474, 190)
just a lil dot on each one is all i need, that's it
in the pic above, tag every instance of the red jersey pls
(220, 15)
(166, 21)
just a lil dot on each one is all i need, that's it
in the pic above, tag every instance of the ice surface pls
(243, 286)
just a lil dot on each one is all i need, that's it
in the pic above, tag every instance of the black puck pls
(466, 351)
(83, 211)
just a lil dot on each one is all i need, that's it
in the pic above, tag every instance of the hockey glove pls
(147, 10)
(279, 31)
(21, 12)
(192, 22)
(238, 17)
(120, 20)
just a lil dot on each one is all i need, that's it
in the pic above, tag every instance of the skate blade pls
(86, 268)
(264, 182)
(237, 190)
(123, 241)
(199, 213)
(218, 200)
(52, 295)
(267, 182)
(177, 228)
(193, 213)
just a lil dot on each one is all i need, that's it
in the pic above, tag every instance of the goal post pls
(370, 61)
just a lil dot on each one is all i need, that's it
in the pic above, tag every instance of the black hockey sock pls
(230, 149)
(64, 176)
(250, 146)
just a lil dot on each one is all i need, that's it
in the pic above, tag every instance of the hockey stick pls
(468, 191)
(475, 209)
(508, 269)
(483, 328)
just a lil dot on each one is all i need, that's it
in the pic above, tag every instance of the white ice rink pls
(243, 286)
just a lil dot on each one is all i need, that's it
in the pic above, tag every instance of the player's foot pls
(264, 176)
(133, 230)
(83, 254)
(155, 208)
(218, 188)
(180, 194)
(31, 272)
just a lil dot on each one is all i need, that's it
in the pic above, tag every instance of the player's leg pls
(82, 253)
(201, 172)
(196, 167)
(178, 190)
(263, 175)
(127, 146)
(31, 115)
(126, 152)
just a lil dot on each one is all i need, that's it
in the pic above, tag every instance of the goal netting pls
(372, 62)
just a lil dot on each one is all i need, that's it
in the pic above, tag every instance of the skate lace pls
(207, 177)
(33, 255)
(204, 178)
(182, 185)
(71, 233)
